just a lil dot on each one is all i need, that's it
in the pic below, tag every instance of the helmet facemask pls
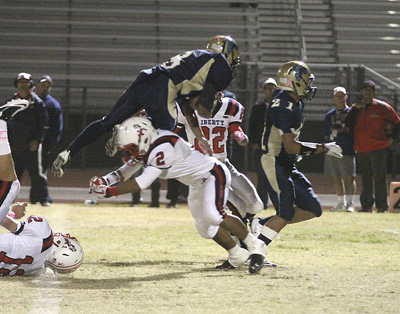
(134, 138)
(295, 76)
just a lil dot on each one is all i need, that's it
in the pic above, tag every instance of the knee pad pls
(313, 207)
(207, 232)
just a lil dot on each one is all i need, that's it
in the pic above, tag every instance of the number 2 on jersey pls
(218, 143)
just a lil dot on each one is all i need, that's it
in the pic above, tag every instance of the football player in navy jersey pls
(290, 191)
(193, 75)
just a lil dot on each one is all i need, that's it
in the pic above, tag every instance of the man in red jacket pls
(375, 124)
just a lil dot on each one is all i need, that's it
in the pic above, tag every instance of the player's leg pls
(281, 193)
(124, 108)
(307, 202)
(9, 184)
(245, 190)
(215, 192)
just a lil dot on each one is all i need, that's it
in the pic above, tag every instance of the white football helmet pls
(295, 76)
(134, 138)
(66, 254)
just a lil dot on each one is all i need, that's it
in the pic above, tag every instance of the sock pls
(267, 235)
(341, 199)
(349, 199)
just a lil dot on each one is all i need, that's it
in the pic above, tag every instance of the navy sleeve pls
(218, 78)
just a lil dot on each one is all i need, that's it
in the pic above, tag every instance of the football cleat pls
(60, 163)
(266, 263)
(256, 263)
(225, 266)
(12, 107)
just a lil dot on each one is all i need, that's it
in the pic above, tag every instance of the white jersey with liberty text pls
(215, 129)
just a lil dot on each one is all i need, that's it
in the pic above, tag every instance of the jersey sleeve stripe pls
(47, 243)
(232, 108)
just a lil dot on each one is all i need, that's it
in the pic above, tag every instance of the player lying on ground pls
(28, 247)
(168, 156)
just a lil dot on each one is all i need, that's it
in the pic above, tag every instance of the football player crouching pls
(30, 246)
(166, 155)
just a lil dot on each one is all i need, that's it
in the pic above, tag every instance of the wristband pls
(112, 178)
(308, 148)
(11, 214)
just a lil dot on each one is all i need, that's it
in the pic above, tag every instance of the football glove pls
(333, 150)
(12, 107)
(205, 146)
(96, 182)
(238, 136)
(102, 191)
(111, 147)
(60, 163)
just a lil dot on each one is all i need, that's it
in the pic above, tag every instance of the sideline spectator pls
(256, 129)
(341, 170)
(26, 132)
(55, 123)
(375, 124)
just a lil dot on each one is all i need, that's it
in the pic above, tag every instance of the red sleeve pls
(235, 127)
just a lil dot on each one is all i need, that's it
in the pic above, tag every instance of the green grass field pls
(151, 260)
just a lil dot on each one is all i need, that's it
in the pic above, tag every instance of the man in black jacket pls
(256, 129)
(26, 131)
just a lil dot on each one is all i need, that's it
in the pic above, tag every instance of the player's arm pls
(17, 211)
(238, 135)
(190, 115)
(293, 146)
(130, 186)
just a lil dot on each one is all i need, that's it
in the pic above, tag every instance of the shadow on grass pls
(69, 282)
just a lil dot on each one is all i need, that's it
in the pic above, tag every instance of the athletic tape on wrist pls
(307, 148)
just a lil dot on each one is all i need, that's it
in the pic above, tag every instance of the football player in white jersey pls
(25, 250)
(168, 156)
(226, 119)
(227, 115)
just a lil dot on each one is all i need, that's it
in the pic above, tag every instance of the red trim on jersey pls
(233, 209)
(5, 187)
(220, 183)
(47, 243)
(232, 108)
(235, 126)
